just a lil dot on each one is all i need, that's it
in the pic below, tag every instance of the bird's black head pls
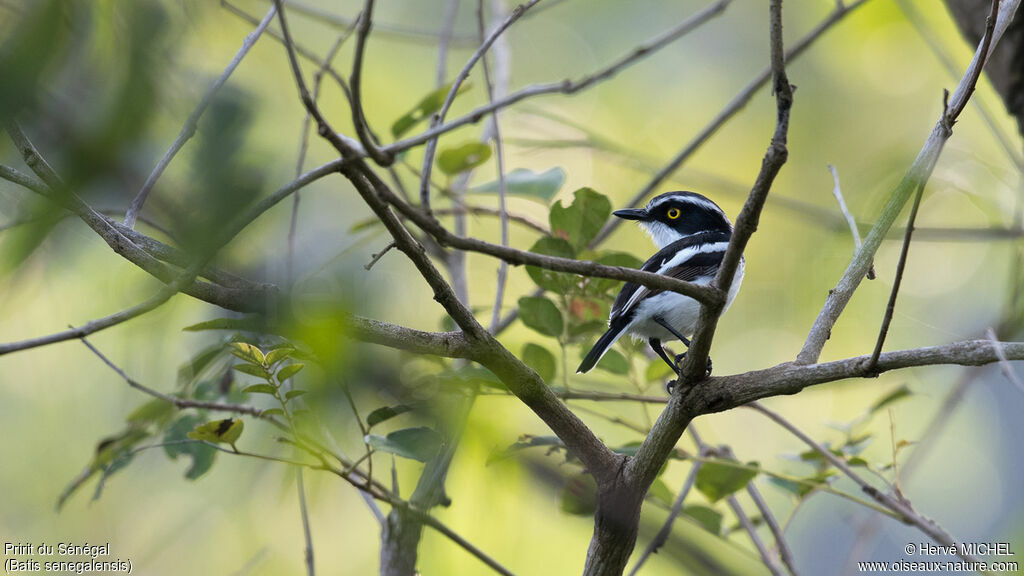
(673, 215)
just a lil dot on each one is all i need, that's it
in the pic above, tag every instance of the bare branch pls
(523, 219)
(163, 295)
(694, 366)
(318, 78)
(443, 344)
(366, 138)
(1004, 363)
(513, 256)
(767, 557)
(785, 554)
(901, 265)
(897, 505)
(189, 129)
(565, 86)
(180, 403)
(395, 32)
(499, 152)
(438, 119)
(451, 12)
(837, 191)
(916, 177)
(305, 523)
(731, 109)
(375, 257)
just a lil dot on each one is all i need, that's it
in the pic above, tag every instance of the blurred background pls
(104, 87)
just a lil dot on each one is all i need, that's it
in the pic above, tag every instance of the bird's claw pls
(679, 364)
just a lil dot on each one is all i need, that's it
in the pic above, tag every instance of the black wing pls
(699, 265)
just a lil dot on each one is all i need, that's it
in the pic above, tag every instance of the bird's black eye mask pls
(689, 218)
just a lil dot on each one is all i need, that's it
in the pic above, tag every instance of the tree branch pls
(566, 86)
(438, 119)
(898, 505)
(739, 102)
(916, 177)
(189, 129)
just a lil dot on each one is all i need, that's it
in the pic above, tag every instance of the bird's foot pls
(679, 364)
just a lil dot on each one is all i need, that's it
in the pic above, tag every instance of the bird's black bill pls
(631, 214)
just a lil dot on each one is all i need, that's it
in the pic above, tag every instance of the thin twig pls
(438, 119)
(189, 129)
(390, 30)
(938, 48)
(356, 83)
(305, 523)
(177, 402)
(785, 554)
(1004, 363)
(738, 102)
(837, 191)
(450, 14)
(769, 559)
(375, 257)
(899, 506)
(565, 86)
(499, 150)
(901, 265)
(915, 178)
(523, 219)
(318, 77)
(695, 365)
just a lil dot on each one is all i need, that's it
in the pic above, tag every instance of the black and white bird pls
(692, 233)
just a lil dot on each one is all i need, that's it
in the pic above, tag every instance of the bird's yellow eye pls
(673, 213)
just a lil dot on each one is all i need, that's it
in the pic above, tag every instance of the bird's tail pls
(603, 344)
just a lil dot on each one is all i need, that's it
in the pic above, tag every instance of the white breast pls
(681, 312)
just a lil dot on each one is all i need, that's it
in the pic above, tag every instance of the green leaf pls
(541, 360)
(202, 456)
(716, 480)
(708, 518)
(251, 369)
(614, 362)
(522, 182)
(248, 353)
(579, 497)
(386, 413)
(525, 441)
(225, 431)
(419, 443)
(253, 323)
(260, 389)
(272, 412)
(580, 222)
(428, 105)
(801, 489)
(278, 354)
(560, 282)
(289, 371)
(890, 398)
(542, 315)
(294, 394)
(463, 157)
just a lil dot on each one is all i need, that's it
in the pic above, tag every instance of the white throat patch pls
(660, 233)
